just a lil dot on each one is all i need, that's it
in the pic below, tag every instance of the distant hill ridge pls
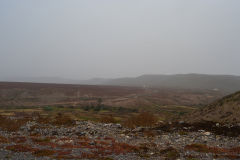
(226, 83)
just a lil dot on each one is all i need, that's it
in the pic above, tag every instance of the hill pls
(225, 83)
(32, 94)
(225, 110)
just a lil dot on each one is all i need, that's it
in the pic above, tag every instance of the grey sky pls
(81, 39)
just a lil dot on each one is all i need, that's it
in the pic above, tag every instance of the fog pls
(82, 39)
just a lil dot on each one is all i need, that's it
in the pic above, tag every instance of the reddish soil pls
(31, 94)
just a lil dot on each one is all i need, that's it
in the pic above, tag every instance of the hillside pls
(32, 94)
(225, 110)
(225, 83)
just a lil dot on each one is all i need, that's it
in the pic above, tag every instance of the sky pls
(82, 39)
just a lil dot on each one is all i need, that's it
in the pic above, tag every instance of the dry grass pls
(43, 152)
(230, 153)
(11, 125)
(20, 148)
(40, 140)
(198, 148)
(3, 139)
(59, 119)
(44, 119)
(36, 152)
(18, 139)
(144, 119)
(107, 119)
(62, 119)
(170, 153)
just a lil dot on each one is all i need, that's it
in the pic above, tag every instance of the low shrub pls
(230, 153)
(198, 148)
(20, 148)
(107, 119)
(18, 139)
(3, 139)
(39, 140)
(170, 153)
(11, 125)
(43, 119)
(48, 108)
(43, 152)
(144, 119)
(62, 119)
(21, 114)
(183, 133)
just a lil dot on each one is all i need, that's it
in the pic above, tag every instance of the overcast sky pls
(81, 39)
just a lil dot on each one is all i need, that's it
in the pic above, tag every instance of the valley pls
(63, 121)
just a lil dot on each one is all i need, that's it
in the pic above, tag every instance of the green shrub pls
(48, 108)
(86, 108)
(97, 108)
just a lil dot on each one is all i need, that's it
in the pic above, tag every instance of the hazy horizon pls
(111, 39)
(39, 79)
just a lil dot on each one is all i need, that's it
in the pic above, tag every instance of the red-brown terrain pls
(60, 121)
(40, 94)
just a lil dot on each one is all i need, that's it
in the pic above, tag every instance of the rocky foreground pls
(90, 140)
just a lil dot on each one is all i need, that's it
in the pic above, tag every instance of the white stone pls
(207, 133)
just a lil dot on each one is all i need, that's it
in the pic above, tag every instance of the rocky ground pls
(90, 140)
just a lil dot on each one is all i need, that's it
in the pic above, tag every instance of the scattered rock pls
(207, 133)
(86, 137)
